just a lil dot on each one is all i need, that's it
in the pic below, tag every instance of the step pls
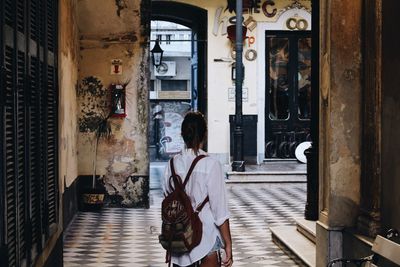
(293, 243)
(257, 177)
(307, 228)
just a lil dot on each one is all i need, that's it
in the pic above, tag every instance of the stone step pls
(307, 228)
(296, 245)
(259, 177)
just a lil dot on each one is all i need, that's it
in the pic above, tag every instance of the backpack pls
(182, 228)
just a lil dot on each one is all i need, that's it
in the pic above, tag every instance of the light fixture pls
(157, 54)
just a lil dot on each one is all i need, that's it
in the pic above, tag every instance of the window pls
(174, 85)
(168, 39)
(159, 37)
(152, 85)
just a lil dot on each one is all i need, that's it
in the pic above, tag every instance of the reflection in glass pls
(304, 78)
(278, 78)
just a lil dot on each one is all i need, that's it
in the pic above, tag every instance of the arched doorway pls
(179, 84)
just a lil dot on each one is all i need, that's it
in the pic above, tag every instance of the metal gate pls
(28, 129)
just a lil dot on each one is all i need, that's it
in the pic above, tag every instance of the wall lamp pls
(157, 54)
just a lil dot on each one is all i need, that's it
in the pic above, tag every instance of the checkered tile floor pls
(128, 237)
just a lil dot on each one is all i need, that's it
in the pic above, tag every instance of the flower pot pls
(92, 199)
(231, 29)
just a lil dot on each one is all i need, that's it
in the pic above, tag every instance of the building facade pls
(70, 66)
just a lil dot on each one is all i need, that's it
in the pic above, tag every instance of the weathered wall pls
(390, 117)
(114, 30)
(340, 124)
(68, 77)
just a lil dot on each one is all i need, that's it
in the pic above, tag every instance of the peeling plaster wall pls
(115, 30)
(68, 77)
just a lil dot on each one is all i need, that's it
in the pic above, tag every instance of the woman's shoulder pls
(211, 161)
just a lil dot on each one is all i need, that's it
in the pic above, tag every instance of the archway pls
(182, 32)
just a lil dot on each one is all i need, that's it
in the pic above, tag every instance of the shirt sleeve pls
(164, 181)
(217, 194)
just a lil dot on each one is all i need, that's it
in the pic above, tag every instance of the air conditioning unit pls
(167, 68)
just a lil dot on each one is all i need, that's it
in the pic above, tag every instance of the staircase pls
(297, 241)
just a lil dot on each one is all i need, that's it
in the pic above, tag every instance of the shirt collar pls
(189, 151)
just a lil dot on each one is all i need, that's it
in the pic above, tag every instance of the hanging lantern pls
(157, 54)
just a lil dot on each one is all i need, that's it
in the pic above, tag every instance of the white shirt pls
(206, 179)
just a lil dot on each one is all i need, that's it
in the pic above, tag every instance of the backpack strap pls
(175, 177)
(201, 206)
(191, 168)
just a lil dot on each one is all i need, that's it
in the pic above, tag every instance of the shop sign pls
(296, 23)
(245, 94)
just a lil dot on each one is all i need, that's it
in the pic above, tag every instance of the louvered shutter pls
(10, 159)
(51, 145)
(28, 166)
(35, 159)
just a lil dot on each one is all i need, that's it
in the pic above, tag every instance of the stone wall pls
(340, 124)
(114, 30)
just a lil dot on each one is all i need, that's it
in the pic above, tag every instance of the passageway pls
(128, 237)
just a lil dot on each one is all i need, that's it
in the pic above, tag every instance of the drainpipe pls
(238, 162)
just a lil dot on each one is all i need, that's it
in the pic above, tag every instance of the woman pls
(206, 180)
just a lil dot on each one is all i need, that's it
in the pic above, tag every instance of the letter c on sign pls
(265, 10)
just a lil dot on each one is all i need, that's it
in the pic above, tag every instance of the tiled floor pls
(128, 237)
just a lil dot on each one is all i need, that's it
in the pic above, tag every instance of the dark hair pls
(194, 128)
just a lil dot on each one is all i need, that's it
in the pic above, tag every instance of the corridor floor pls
(129, 237)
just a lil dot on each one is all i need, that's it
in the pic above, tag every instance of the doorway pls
(288, 92)
(178, 85)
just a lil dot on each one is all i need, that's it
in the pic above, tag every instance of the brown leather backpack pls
(182, 228)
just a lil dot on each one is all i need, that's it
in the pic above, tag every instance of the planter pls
(89, 198)
(92, 199)
(231, 29)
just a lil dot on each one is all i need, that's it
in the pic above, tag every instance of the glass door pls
(288, 92)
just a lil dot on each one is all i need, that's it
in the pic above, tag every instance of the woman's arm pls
(226, 236)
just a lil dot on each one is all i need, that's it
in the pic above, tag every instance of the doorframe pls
(290, 35)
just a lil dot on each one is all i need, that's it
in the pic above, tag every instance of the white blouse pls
(206, 179)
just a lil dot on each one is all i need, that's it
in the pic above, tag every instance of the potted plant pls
(94, 102)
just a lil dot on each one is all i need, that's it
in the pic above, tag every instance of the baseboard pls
(55, 258)
(70, 203)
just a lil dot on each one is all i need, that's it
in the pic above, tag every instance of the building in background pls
(60, 61)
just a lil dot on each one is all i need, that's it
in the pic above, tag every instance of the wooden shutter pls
(11, 236)
(28, 162)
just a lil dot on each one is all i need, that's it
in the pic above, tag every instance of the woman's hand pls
(228, 260)
(225, 230)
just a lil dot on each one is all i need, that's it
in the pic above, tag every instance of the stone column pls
(340, 124)
(369, 220)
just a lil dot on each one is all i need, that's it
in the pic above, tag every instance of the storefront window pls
(174, 85)
(304, 78)
(278, 78)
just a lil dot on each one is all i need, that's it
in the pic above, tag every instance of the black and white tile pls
(129, 237)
